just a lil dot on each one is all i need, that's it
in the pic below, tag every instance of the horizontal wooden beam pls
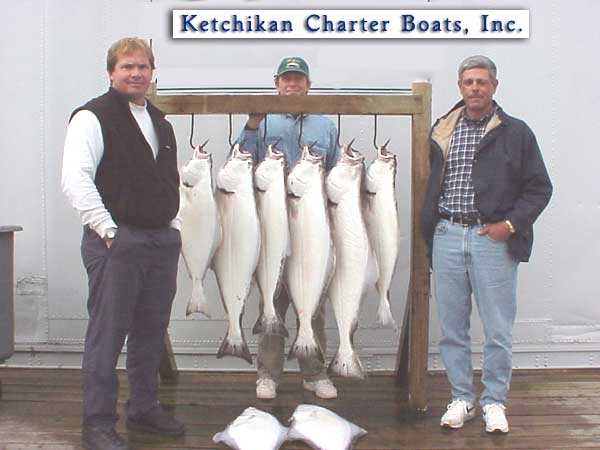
(395, 104)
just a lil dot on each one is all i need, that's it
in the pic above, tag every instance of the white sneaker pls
(459, 412)
(322, 388)
(266, 388)
(495, 418)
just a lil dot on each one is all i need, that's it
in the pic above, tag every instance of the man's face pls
(292, 83)
(477, 89)
(131, 75)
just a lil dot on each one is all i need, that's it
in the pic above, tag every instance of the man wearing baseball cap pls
(292, 78)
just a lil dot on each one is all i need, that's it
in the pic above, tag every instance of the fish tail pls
(347, 364)
(270, 326)
(238, 349)
(306, 347)
(219, 437)
(384, 314)
(197, 302)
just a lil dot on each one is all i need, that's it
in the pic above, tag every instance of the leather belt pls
(465, 221)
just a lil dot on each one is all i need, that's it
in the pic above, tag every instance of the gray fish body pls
(236, 257)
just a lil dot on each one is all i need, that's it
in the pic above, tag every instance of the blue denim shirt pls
(285, 127)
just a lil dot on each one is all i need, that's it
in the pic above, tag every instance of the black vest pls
(136, 189)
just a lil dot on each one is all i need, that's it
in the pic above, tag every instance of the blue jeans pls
(466, 263)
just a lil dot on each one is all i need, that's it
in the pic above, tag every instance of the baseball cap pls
(292, 64)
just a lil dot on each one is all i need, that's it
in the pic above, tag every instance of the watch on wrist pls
(510, 226)
(110, 234)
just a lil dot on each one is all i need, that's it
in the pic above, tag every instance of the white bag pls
(253, 430)
(323, 429)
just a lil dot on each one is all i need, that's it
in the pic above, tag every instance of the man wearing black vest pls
(120, 174)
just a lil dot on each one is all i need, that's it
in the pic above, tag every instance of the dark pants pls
(131, 289)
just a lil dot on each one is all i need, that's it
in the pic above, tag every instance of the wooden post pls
(7, 292)
(415, 330)
(168, 367)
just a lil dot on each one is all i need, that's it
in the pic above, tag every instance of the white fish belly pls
(200, 236)
(235, 259)
(381, 217)
(348, 283)
(274, 244)
(309, 265)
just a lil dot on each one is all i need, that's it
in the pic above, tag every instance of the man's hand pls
(109, 236)
(254, 121)
(498, 231)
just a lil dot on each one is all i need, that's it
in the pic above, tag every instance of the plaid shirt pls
(458, 195)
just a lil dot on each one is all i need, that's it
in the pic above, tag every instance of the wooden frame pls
(411, 367)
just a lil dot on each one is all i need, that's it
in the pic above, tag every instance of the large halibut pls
(235, 260)
(271, 203)
(312, 258)
(200, 225)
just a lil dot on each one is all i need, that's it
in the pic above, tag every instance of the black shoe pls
(156, 421)
(102, 437)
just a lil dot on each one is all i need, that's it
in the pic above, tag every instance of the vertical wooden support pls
(168, 368)
(414, 345)
(7, 292)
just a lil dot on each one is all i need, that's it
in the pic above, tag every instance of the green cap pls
(292, 64)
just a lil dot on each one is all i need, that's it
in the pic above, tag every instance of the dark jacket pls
(509, 177)
(135, 188)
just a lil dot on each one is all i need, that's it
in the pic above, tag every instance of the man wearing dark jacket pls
(120, 174)
(488, 185)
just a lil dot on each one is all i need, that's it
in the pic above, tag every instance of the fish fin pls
(239, 350)
(273, 326)
(306, 349)
(372, 273)
(186, 192)
(198, 302)
(219, 437)
(187, 266)
(384, 313)
(347, 364)
(331, 262)
(218, 238)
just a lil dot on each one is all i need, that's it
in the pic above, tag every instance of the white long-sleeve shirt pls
(83, 151)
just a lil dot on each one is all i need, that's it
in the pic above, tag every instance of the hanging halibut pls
(309, 266)
(200, 225)
(381, 215)
(269, 181)
(235, 259)
(354, 262)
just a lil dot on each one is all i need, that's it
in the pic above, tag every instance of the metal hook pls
(339, 129)
(265, 131)
(300, 134)
(375, 136)
(192, 133)
(375, 132)
(230, 130)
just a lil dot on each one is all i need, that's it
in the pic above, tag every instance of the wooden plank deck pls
(548, 409)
